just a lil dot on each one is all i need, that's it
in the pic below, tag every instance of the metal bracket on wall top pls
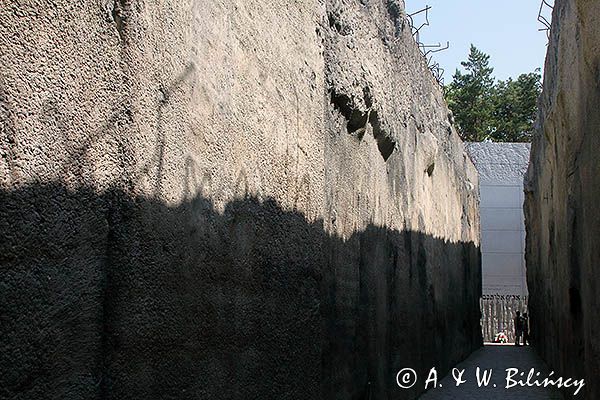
(415, 31)
(545, 5)
(427, 49)
(433, 48)
(434, 67)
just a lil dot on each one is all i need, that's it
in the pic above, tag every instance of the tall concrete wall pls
(227, 200)
(561, 209)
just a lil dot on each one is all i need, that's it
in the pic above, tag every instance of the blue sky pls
(507, 30)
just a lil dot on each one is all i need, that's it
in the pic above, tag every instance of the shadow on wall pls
(116, 296)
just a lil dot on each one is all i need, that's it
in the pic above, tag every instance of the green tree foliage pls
(515, 107)
(469, 96)
(503, 111)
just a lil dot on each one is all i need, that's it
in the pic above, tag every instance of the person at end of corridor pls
(518, 328)
(525, 326)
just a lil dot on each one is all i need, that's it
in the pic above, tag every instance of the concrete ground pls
(498, 358)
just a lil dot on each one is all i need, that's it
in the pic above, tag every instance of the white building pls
(501, 168)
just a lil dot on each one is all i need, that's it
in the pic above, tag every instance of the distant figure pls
(525, 326)
(518, 328)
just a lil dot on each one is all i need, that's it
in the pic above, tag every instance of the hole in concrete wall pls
(336, 23)
(357, 121)
(368, 97)
(430, 169)
(394, 9)
(118, 15)
(385, 144)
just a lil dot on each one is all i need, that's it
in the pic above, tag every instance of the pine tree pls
(469, 96)
(504, 111)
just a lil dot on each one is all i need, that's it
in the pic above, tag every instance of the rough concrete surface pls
(234, 199)
(499, 163)
(561, 207)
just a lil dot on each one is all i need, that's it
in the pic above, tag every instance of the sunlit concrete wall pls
(501, 168)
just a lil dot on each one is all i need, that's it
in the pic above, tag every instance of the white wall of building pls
(501, 169)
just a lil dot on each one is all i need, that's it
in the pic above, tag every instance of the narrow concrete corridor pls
(498, 359)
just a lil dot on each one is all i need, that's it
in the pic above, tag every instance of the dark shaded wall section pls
(110, 296)
(561, 207)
